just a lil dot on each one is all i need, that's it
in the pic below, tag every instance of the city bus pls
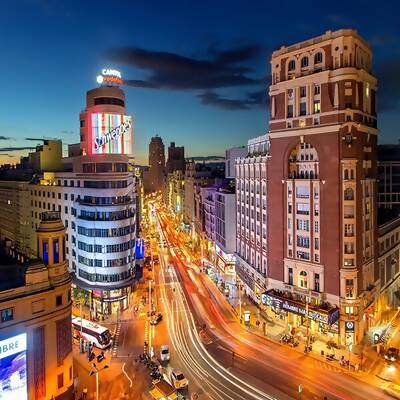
(91, 332)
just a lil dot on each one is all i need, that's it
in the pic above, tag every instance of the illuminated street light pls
(96, 372)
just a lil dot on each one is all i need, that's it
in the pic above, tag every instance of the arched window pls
(352, 174)
(311, 174)
(346, 174)
(349, 194)
(304, 62)
(303, 279)
(318, 58)
(301, 174)
(306, 174)
(292, 65)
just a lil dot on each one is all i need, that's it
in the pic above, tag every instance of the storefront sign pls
(290, 306)
(349, 326)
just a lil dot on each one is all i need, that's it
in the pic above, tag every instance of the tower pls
(322, 183)
(157, 164)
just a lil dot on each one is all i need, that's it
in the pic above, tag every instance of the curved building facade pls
(96, 197)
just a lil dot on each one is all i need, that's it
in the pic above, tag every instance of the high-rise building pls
(176, 159)
(153, 179)
(35, 303)
(95, 195)
(321, 188)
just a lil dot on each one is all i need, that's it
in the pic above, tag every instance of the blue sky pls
(53, 50)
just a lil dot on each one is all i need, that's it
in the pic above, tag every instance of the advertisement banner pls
(110, 133)
(13, 374)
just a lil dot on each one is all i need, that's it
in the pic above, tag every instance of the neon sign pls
(110, 76)
(110, 133)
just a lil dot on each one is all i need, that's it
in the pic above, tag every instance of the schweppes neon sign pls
(117, 132)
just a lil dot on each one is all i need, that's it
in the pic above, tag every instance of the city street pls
(270, 367)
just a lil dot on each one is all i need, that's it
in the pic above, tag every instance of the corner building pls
(321, 186)
(35, 324)
(96, 198)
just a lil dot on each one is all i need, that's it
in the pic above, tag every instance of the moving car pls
(156, 319)
(392, 354)
(178, 379)
(392, 390)
(164, 353)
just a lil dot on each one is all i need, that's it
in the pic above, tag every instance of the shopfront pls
(106, 302)
(225, 262)
(286, 306)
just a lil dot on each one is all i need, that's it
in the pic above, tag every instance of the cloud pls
(34, 139)
(170, 71)
(5, 138)
(4, 149)
(66, 132)
(251, 100)
(388, 76)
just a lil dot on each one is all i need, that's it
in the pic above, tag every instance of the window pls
(316, 226)
(349, 194)
(303, 108)
(292, 65)
(304, 62)
(66, 210)
(59, 196)
(349, 310)
(316, 283)
(349, 288)
(7, 314)
(59, 300)
(316, 210)
(303, 208)
(290, 111)
(60, 380)
(65, 196)
(303, 279)
(317, 106)
(289, 223)
(290, 276)
(303, 91)
(316, 243)
(302, 192)
(317, 89)
(318, 58)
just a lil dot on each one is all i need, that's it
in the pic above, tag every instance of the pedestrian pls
(84, 393)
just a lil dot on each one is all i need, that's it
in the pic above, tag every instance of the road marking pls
(129, 379)
(116, 339)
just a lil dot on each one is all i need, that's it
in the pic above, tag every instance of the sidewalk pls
(275, 329)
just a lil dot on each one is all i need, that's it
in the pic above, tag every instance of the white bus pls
(91, 332)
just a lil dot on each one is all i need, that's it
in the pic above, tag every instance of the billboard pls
(110, 133)
(13, 374)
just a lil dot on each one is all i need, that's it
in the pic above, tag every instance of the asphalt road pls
(260, 369)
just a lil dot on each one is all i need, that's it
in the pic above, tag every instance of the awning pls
(278, 300)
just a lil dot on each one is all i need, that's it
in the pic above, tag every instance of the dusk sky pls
(196, 73)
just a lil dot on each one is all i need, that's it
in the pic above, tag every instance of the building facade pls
(318, 260)
(230, 159)
(251, 217)
(153, 179)
(176, 159)
(95, 195)
(35, 303)
(389, 176)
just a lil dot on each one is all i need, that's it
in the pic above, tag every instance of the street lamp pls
(96, 372)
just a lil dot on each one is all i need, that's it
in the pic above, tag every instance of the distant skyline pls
(196, 73)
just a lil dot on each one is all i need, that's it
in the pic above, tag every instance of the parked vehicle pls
(91, 332)
(178, 379)
(164, 353)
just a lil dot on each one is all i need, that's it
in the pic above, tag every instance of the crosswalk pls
(116, 339)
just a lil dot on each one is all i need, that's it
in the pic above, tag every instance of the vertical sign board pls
(13, 374)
